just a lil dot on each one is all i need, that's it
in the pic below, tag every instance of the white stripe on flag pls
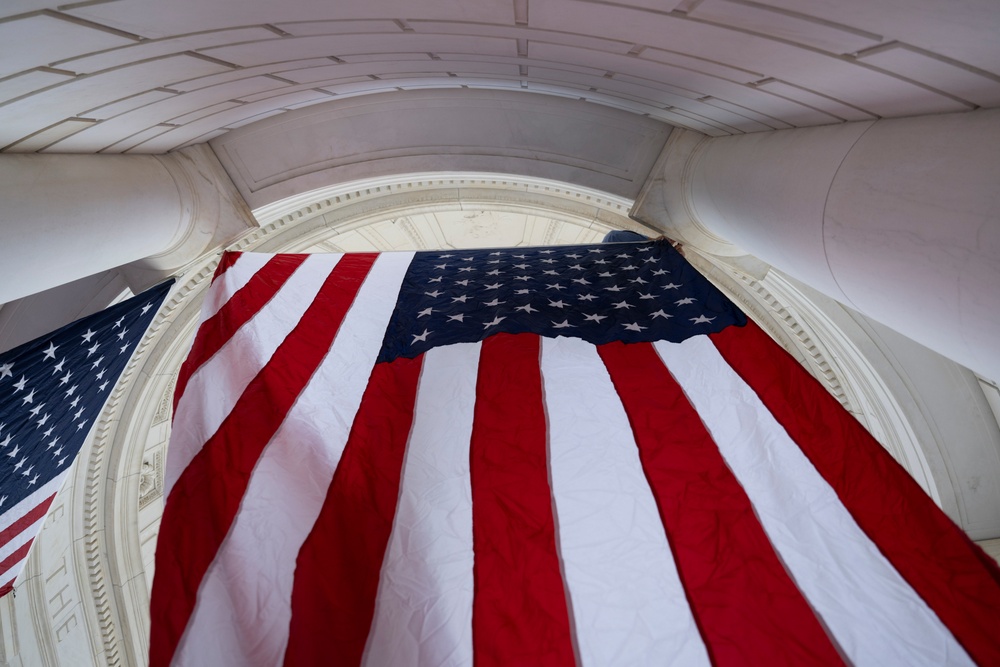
(873, 614)
(423, 612)
(244, 604)
(216, 387)
(628, 602)
(235, 278)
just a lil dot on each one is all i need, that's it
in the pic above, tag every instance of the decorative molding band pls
(317, 202)
(163, 410)
(805, 341)
(124, 406)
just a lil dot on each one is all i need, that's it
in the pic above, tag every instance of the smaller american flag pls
(52, 390)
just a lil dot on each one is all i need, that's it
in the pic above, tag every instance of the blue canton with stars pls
(630, 292)
(53, 388)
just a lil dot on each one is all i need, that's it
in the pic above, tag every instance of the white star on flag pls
(46, 366)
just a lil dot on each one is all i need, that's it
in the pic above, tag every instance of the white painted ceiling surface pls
(149, 76)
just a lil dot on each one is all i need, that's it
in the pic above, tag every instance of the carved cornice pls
(370, 197)
(163, 410)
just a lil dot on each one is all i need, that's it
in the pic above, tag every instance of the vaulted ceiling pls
(148, 76)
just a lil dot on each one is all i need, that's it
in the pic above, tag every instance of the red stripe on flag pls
(953, 575)
(15, 557)
(519, 613)
(6, 588)
(337, 570)
(225, 263)
(36, 513)
(237, 311)
(748, 609)
(204, 502)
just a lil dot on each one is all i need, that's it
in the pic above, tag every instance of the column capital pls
(212, 214)
(666, 203)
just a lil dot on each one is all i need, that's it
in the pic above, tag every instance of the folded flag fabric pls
(52, 390)
(546, 456)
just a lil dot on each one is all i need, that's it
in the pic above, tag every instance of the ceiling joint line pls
(69, 18)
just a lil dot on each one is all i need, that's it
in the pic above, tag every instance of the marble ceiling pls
(146, 76)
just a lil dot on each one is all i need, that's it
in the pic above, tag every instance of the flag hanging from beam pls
(549, 456)
(52, 390)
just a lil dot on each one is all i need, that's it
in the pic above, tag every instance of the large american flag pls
(52, 390)
(546, 456)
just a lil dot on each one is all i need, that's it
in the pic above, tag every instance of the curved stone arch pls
(320, 215)
(106, 481)
(113, 560)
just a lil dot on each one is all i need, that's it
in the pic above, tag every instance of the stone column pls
(897, 218)
(68, 216)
